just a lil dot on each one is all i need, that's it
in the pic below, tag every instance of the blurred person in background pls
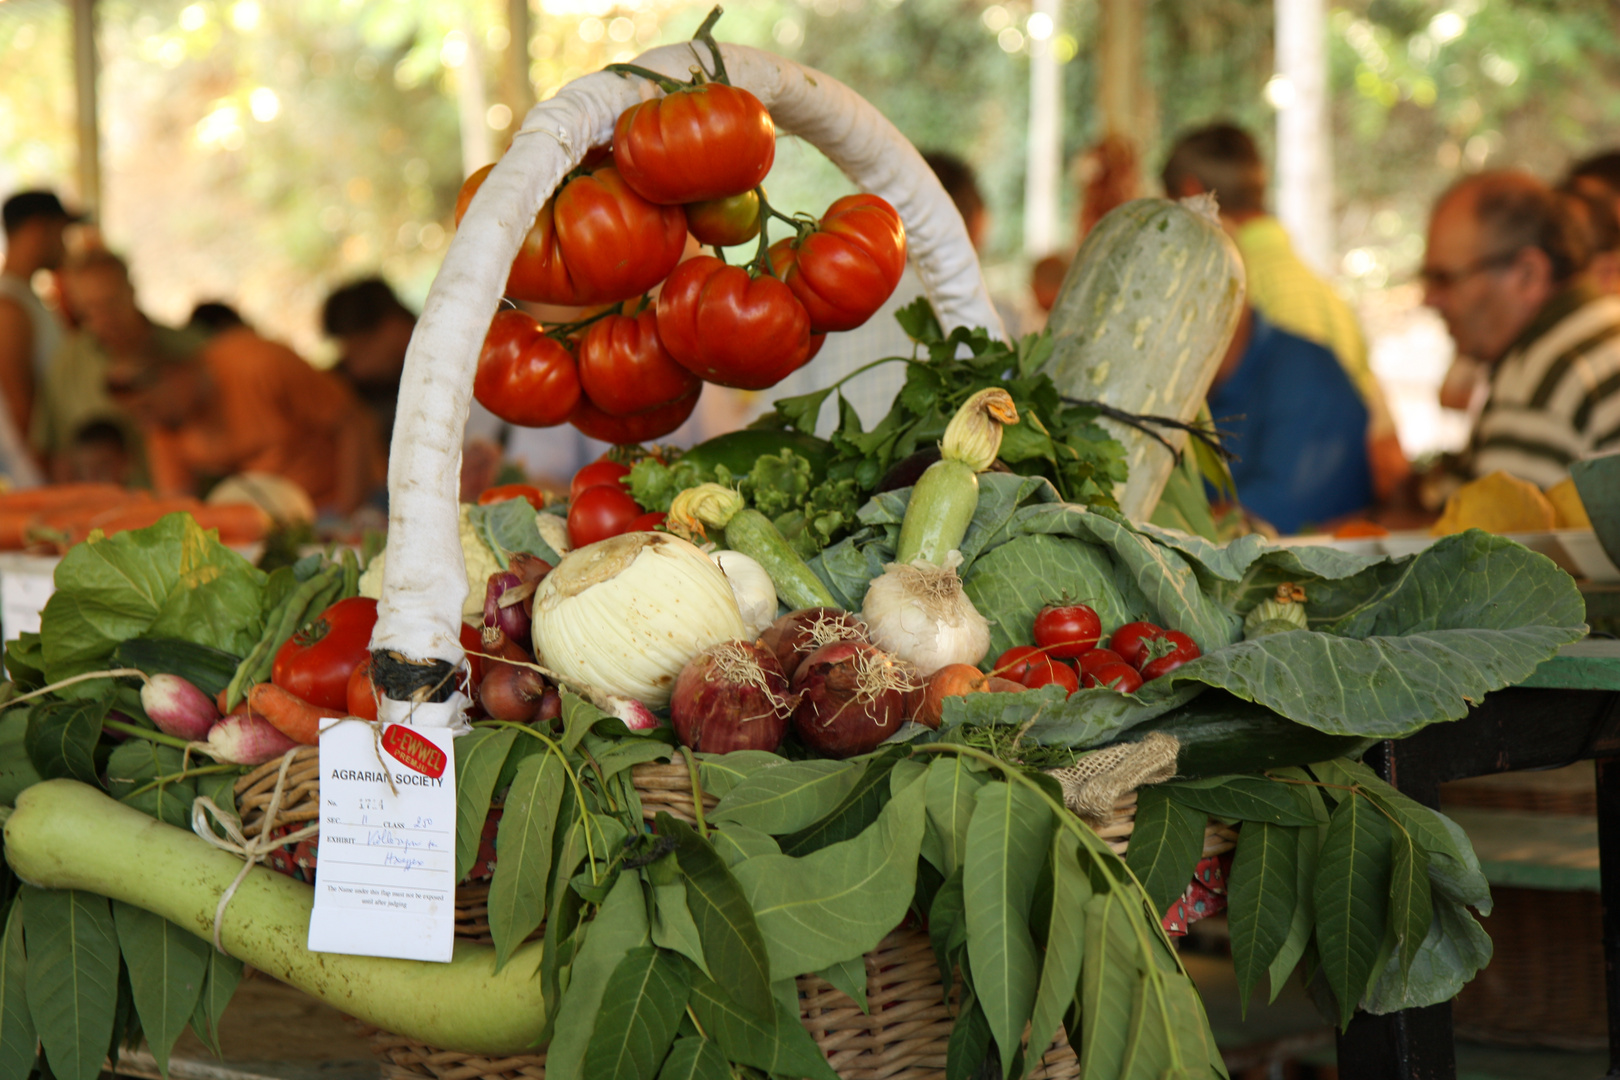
(35, 225)
(232, 403)
(1596, 181)
(1297, 425)
(1223, 160)
(1503, 267)
(209, 317)
(1111, 175)
(372, 328)
(99, 454)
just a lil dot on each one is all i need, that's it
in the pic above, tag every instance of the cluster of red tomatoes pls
(1137, 652)
(599, 505)
(688, 162)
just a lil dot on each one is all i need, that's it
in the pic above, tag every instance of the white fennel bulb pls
(624, 615)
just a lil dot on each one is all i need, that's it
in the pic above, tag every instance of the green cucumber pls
(1229, 735)
(738, 450)
(751, 533)
(937, 517)
(206, 668)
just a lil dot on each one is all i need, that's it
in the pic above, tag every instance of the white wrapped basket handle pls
(424, 582)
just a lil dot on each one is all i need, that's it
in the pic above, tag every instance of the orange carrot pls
(238, 523)
(55, 495)
(18, 524)
(288, 713)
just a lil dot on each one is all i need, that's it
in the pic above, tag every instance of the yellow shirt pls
(1290, 295)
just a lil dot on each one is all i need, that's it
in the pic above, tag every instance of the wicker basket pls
(903, 1036)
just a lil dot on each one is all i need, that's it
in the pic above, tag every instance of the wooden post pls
(1044, 156)
(1304, 188)
(1123, 95)
(86, 67)
(518, 89)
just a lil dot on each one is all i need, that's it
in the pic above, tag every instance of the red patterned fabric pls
(1205, 895)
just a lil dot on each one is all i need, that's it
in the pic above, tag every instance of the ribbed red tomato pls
(525, 377)
(315, 663)
(732, 328)
(846, 268)
(624, 368)
(707, 142)
(594, 241)
(624, 430)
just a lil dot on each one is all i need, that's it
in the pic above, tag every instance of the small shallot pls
(514, 693)
(853, 696)
(732, 696)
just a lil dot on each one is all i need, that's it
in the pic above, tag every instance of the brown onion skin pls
(832, 718)
(713, 715)
(513, 693)
(789, 636)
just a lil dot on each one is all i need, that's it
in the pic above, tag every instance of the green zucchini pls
(206, 668)
(738, 450)
(945, 498)
(753, 534)
(1229, 735)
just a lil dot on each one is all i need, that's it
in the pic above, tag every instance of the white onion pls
(624, 615)
(920, 614)
(756, 596)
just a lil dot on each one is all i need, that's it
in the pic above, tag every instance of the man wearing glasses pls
(1502, 268)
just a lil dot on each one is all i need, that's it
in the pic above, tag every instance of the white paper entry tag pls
(386, 873)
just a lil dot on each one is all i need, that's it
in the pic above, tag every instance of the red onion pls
(509, 619)
(799, 633)
(853, 696)
(732, 696)
(513, 693)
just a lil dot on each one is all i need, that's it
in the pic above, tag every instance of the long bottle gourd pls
(1142, 322)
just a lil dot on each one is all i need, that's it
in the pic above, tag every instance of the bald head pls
(1501, 244)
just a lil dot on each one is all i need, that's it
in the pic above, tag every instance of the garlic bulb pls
(919, 614)
(756, 596)
(624, 615)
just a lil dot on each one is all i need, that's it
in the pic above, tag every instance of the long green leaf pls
(952, 783)
(1148, 1054)
(62, 737)
(720, 773)
(1166, 843)
(1109, 977)
(72, 977)
(858, 809)
(693, 1057)
(1352, 898)
(672, 925)
(17, 1036)
(779, 1045)
(1453, 952)
(969, 1045)
(1303, 922)
(738, 842)
(517, 895)
(837, 902)
(134, 765)
(620, 925)
(1247, 798)
(1007, 841)
(224, 972)
(947, 927)
(848, 977)
(644, 1001)
(789, 797)
(732, 942)
(167, 968)
(1261, 898)
(579, 716)
(1410, 909)
(478, 762)
(16, 771)
(1065, 942)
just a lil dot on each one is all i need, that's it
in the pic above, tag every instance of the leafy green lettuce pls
(172, 580)
(1393, 645)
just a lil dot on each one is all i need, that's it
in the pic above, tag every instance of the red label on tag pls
(413, 751)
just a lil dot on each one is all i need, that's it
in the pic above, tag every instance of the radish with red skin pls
(177, 707)
(732, 696)
(852, 697)
(796, 635)
(247, 739)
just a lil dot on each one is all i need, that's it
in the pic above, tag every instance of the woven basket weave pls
(903, 1036)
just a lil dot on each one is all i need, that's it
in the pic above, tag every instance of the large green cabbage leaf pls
(1393, 644)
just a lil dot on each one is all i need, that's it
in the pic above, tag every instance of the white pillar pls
(86, 67)
(1044, 156)
(1304, 183)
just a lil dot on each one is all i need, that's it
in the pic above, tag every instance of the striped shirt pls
(1555, 395)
